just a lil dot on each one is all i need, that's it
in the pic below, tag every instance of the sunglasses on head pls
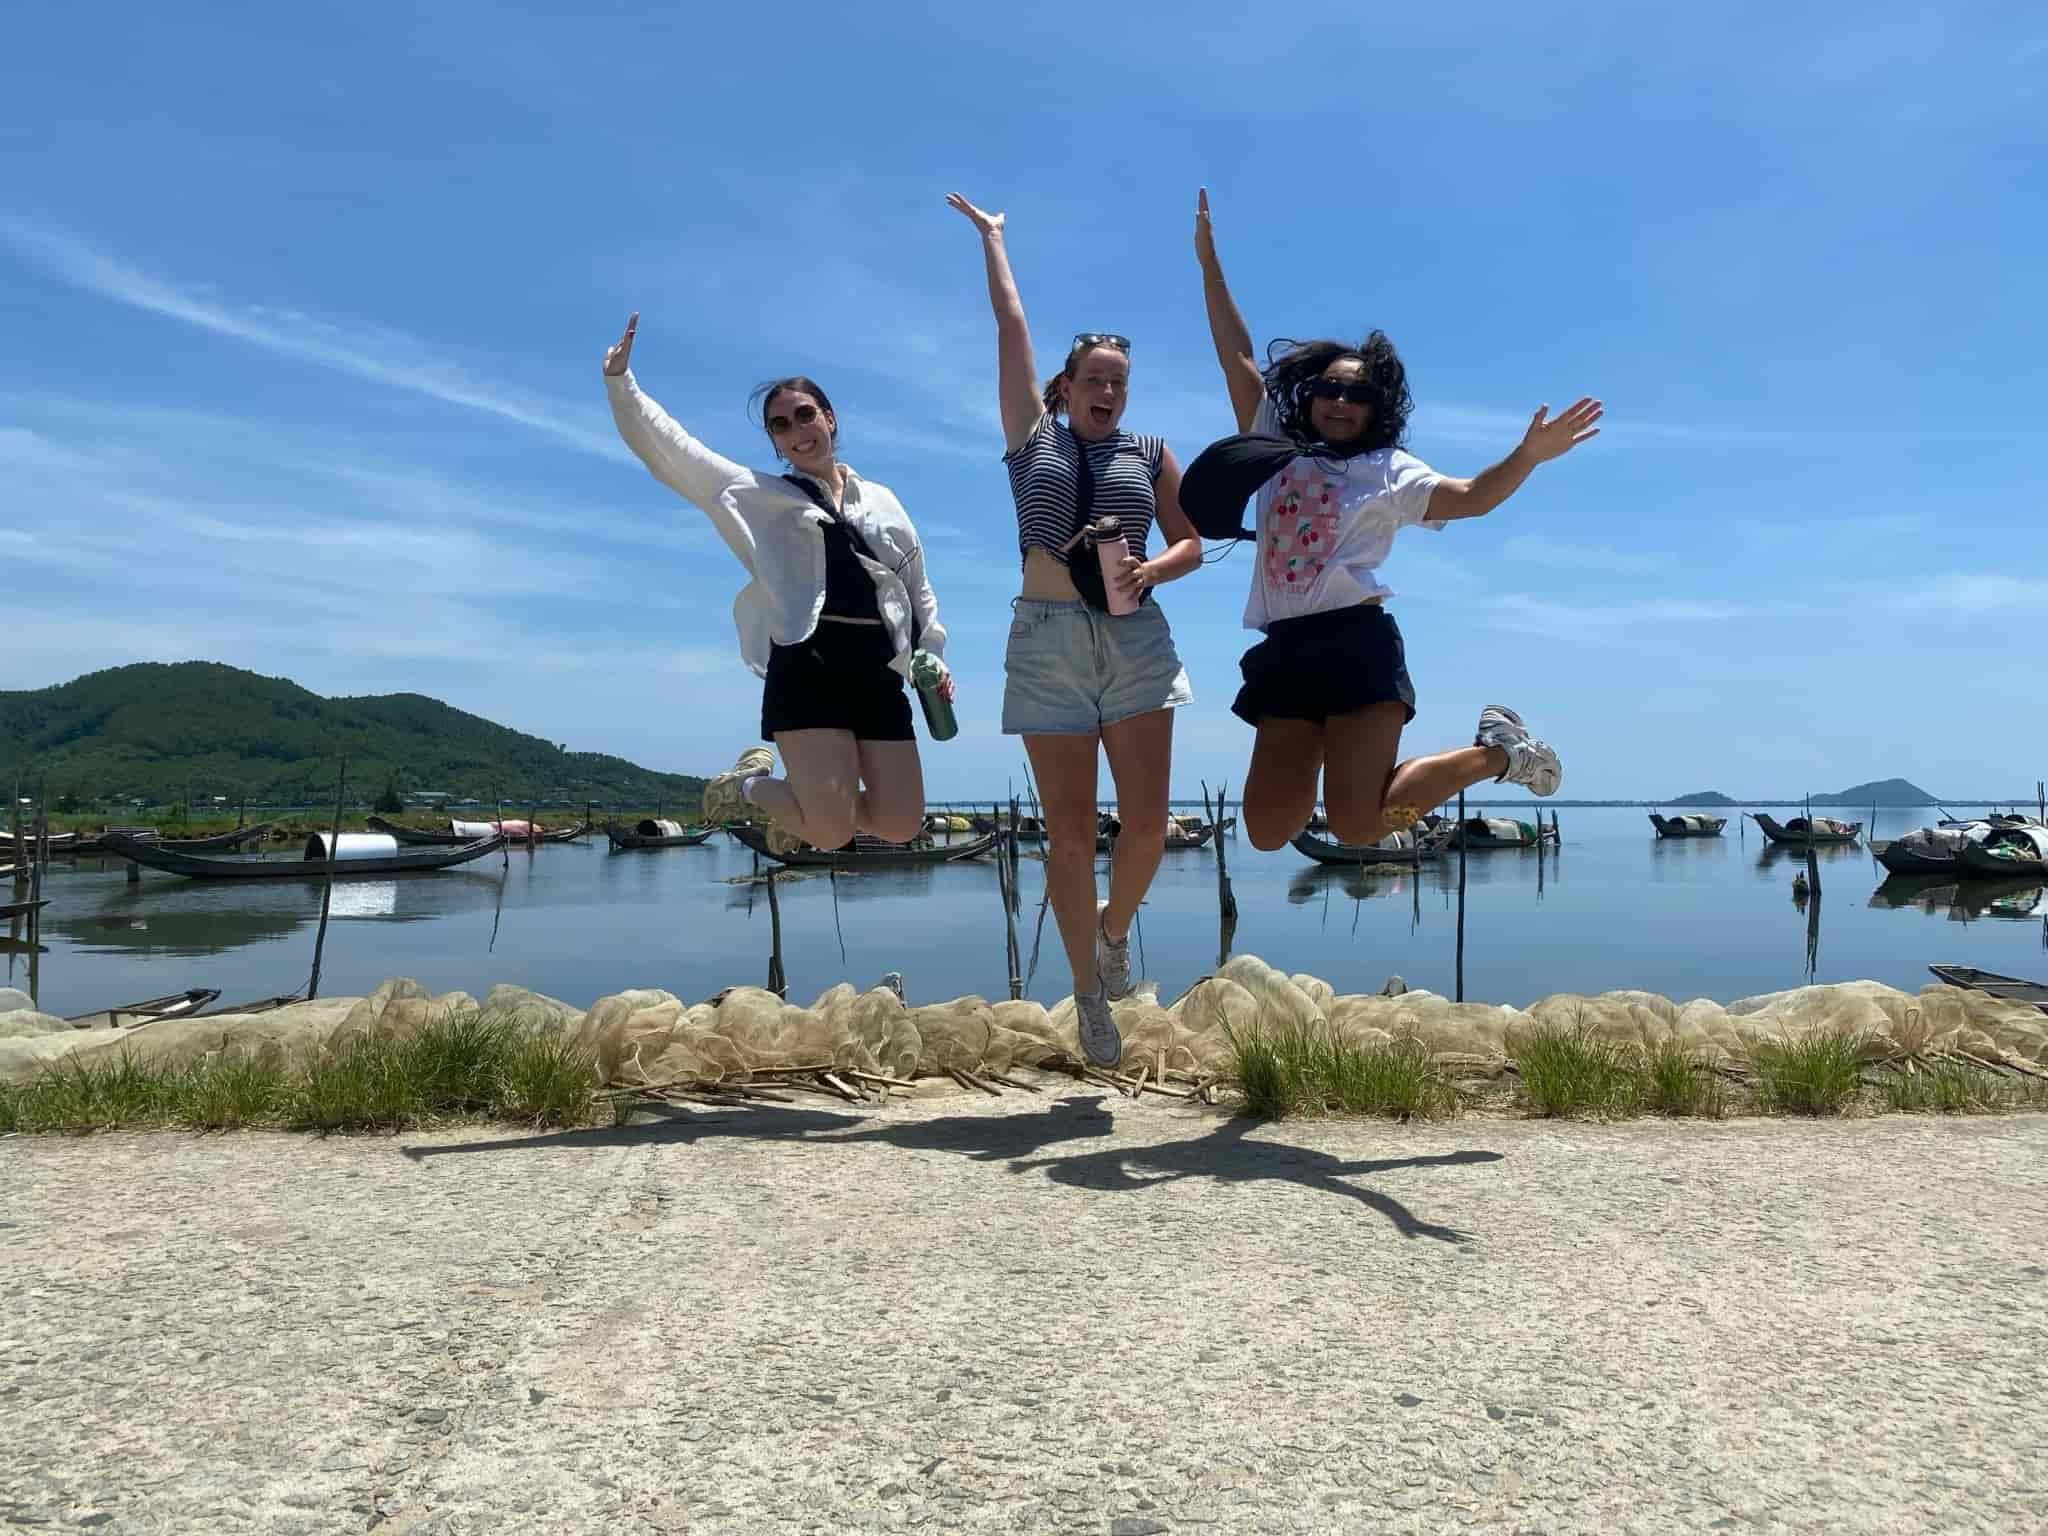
(1085, 339)
(802, 416)
(1351, 393)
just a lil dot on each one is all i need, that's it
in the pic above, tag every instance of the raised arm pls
(1547, 438)
(1016, 377)
(671, 455)
(1241, 373)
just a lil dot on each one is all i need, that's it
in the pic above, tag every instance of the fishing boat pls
(1824, 829)
(13, 909)
(2013, 851)
(1494, 832)
(1933, 850)
(360, 854)
(656, 833)
(460, 832)
(2011, 988)
(57, 842)
(1394, 848)
(220, 842)
(1688, 824)
(178, 1005)
(864, 850)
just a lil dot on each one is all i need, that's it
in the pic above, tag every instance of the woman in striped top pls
(1074, 673)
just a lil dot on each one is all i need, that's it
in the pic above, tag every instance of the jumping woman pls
(1327, 688)
(1076, 673)
(838, 601)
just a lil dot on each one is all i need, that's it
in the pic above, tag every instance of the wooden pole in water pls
(1226, 897)
(777, 982)
(1006, 858)
(20, 848)
(1462, 840)
(327, 891)
(1812, 858)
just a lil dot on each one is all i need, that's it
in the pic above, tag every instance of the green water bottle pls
(929, 673)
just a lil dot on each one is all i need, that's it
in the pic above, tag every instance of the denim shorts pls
(1071, 669)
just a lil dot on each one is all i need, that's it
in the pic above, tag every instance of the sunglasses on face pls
(1340, 389)
(803, 416)
(1086, 339)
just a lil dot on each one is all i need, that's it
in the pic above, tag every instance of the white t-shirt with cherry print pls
(1325, 526)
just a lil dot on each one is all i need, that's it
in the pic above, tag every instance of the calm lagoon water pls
(1615, 907)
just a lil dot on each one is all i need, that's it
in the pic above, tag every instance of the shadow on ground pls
(1226, 1153)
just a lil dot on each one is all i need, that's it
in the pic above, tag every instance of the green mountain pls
(1879, 792)
(1703, 797)
(157, 732)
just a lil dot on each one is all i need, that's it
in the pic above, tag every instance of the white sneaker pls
(1112, 957)
(1531, 763)
(726, 795)
(1100, 1042)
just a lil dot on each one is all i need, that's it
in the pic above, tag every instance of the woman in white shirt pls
(838, 601)
(1327, 689)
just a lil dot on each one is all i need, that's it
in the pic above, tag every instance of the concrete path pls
(1033, 1314)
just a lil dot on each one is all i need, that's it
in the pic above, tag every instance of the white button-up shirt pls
(773, 529)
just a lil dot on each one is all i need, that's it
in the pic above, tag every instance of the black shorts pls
(838, 680)
(1325, 664)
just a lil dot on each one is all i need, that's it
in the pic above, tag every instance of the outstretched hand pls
(621, 353)
(1205, 232)
(987, 223)
(1551, 437)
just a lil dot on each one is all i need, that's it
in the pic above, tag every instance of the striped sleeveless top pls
(1044, 476)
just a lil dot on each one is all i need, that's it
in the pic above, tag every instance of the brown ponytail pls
(1053, 403)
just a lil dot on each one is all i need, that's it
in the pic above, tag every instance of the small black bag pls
(1084, 565)
(1224, 478)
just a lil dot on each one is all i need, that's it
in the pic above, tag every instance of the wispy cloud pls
(1546, 616)
(380, 356)
(1537, 549)
(1972, 592)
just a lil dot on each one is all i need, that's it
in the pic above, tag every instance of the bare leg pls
(1140, 752)
(1065, 767)
(819, 799)
(892, 801)
(1280, 789)
(1369, 796)
(1422, 782)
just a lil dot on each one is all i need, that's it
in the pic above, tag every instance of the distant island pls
(157, 733)
(1879, 792)
(1704, 797)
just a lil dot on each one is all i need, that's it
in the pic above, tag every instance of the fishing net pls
(645, 1037)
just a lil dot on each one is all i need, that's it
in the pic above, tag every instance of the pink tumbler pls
(1107, 535)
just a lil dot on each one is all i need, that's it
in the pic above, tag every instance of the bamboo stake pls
(1462, 840)
(778, 983)
(327, 890)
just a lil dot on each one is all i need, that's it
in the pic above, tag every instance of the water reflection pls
(1316, 882)
(198, 918)
(1963, 901)
(1775, 854)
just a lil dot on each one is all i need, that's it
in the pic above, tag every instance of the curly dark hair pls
(1291, 366)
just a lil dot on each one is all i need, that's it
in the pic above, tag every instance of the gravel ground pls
(1033, 1314)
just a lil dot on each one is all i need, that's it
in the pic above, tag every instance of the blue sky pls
(301, 312)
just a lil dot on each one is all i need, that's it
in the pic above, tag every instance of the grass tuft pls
(228, 1095)
(546, 1081)
(1575, 1073)
(1297, 1069)
(1677, 1081)
(1952, 1088)
(1816, 1075)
